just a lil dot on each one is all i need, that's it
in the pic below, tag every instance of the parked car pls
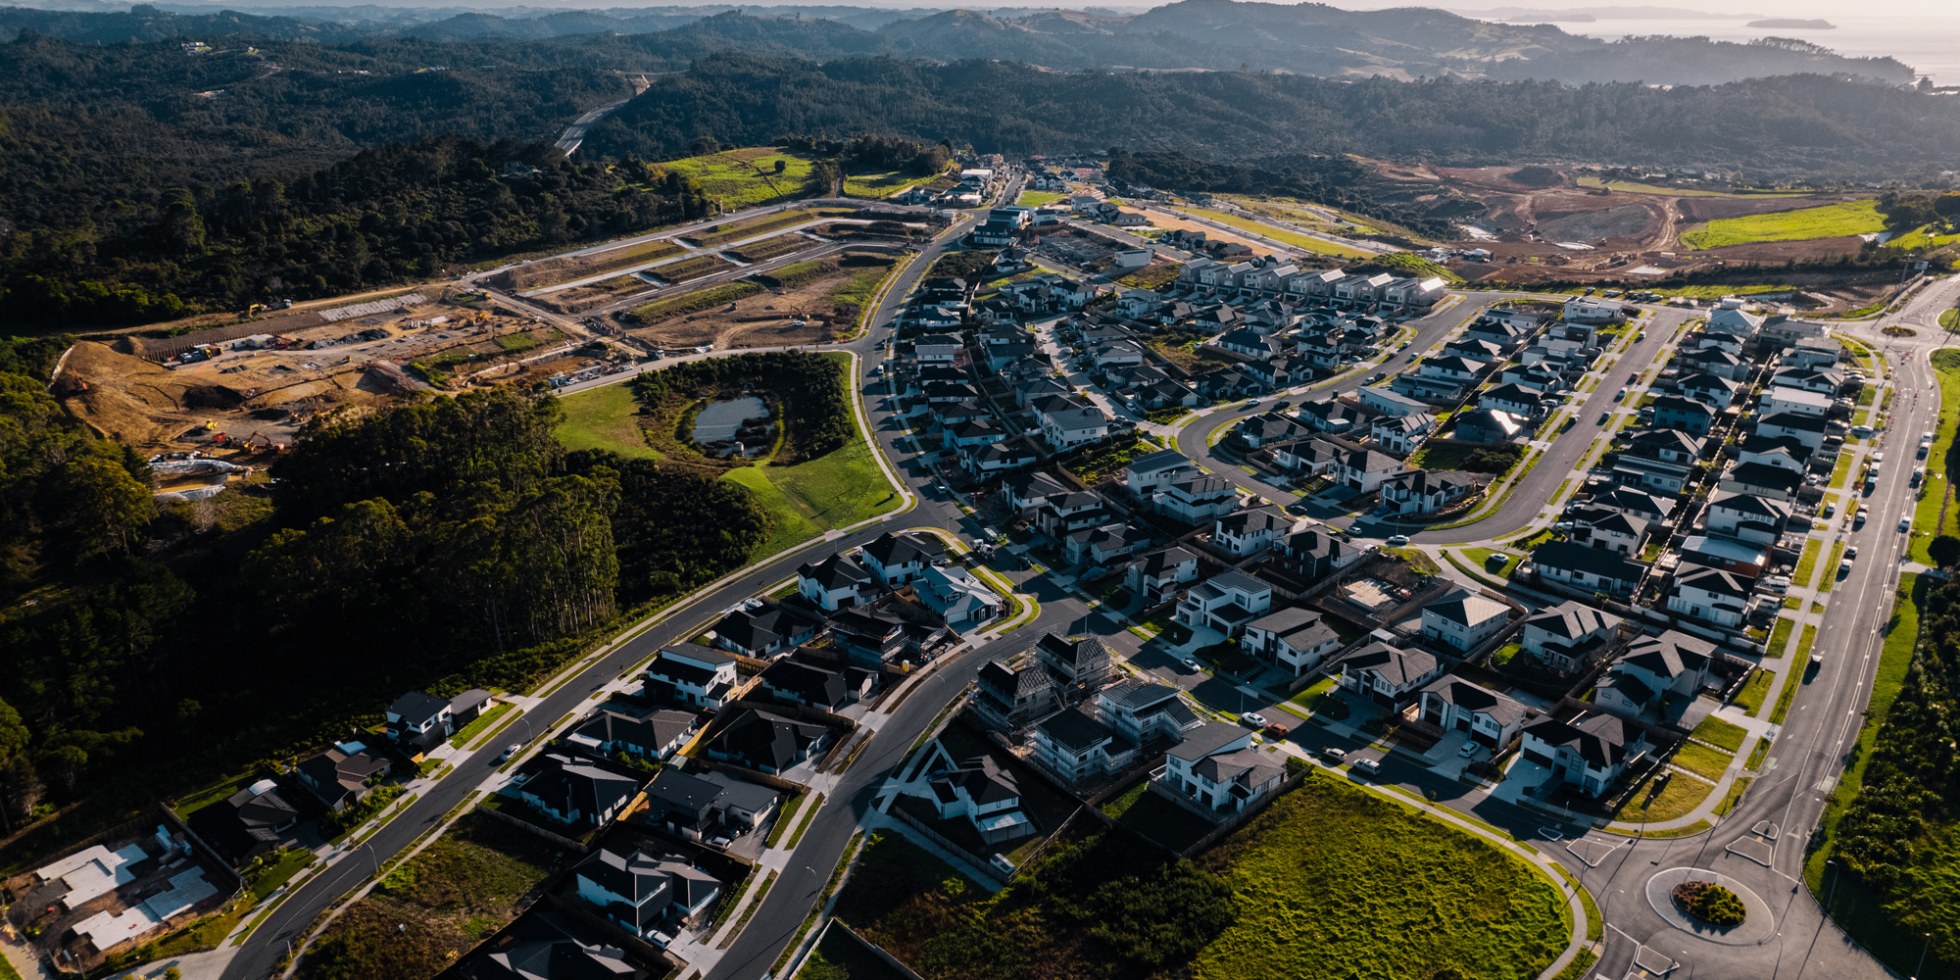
(1497, 561)
(1858, 520)
(1468, 750)
(1253, 719)
(1333, 754)
(1191, 663)
(1372, 767)
(1905, 524)
(1851, 553)
(1398, 540)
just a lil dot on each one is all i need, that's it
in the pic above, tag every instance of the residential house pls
(1401, 435)
(762, 628)
(1059, 517)
(1311, 555)
(1145, 713)
(1153, 473)
(799, 681)
(1514, 398)
(1076, 665)
(1795, 401)
(692, 675)
(1024, 492)
(248, 824)
(1218, 771)
(1226, 602)
(643, 732)
(1387, 402)
(1762, 479)
(1710, 595)
(1066, 423)
(1391, 675)
(1427, 492)
(768, 742)
(1488, 426)
(1585, 309)
(343, 775)
(1158, 575)
(1806, 429)
(1463, 621)
(1747, 517)
(646, 889)
(1686, 414)
(1258, 430)
(1489, 719)
(1589, 754)
(1247, 532)
(1297, 639)
(1364, 470)
(1196, 498)
(1080, 749)
(1569, 637)
(837, 581)
(1613, 530)
(1636, 502)
(1008, 695)
(1653, 474)
(578, 794)
(896, 559)
(704, 806)
(1328, 415)
(1591, 569)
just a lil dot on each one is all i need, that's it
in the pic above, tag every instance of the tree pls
(1944, 550)
(781, 165)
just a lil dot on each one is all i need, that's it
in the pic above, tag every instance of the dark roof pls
(1473, 697)
(1017, 683)
(1578, 557)
(567, 784)
(1400, 666)
(896, 549)
(807, 682)
(760, 739)
(835, 571)
(1210, 737)
(1075, 730)
(649, 729)
(416, 707)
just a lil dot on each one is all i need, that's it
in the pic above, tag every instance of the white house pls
(1226, 602)
(1584, 309)
(1217, 771)
(1390, 675)
(1247, 532)
(895, 559)
(1456, 705)
(692, 675)
(1710, 595)
(1154, 472)
(835, 582)
(1145, 713)
(1463, 620)
(648, 891)
(1066, 423)
(1080, 749)
(1159, 574)
(1589, 753)
(1569, 636)
(1297, 639)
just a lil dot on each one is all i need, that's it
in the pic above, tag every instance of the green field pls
(1293, 238)
(604, 418)
(1035, 199)
(1924, 237)
(1636, 187)
(1950, 319)
(809, 498)
(1333, 881)
(880, 186)
(746, 177)
(1825, 221)
(1673, 800)
(1701, 760)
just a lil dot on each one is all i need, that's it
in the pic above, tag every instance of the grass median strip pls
(809, 817)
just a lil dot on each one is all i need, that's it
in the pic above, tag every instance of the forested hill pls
(1794, 126)
(1220, 35)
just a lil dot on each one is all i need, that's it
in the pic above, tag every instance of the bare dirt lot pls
(800, 303)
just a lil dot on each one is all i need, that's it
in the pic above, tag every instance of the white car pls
(1252, 719)
(1905, 524)
(1398, 540)
(1372, 767)
(510, 751)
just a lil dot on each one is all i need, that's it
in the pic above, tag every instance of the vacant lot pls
(1826, 221)
(880, 185)
(1275, 233)
(1333, 881)
(799, 303)
(746, 177)
(604, 418)
(566, 268)
(692, 267)
(770, 248)
(430, 910)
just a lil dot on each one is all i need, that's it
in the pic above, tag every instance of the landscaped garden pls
(1711, 903)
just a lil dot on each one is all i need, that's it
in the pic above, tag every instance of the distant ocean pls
(1931, 45)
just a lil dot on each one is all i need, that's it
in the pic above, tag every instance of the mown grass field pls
(1035, 199)
(880, 186)
(746, 177)
(1824, 221)
(1333, 881)
(1293, 238)
(1636, 187)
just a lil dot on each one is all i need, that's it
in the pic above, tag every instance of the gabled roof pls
(1162, 459)
(889, 549)
(416, 707)
(1571, 620)
(1599, 739)
(1299, 628)
(1468, 609)
(1500, 708)
(1016, 682)
(571, 785)
(1715, 581)
(1578, 557)
(1399, 666)
(837, 571)
(758, 736)
(1670, 654)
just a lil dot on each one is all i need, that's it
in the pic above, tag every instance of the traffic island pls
(1711, 899)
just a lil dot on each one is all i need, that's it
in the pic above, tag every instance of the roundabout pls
(1758, 925)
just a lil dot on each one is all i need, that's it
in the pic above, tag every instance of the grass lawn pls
(746, 177)
(604, 418)
(1828, 577)
(808, 498)
(1824, 221)
(434, 907)
(1637, 187)
(1319, 699)
(1334, 881)
(1934, 513)
(480, 723)
(1701, 760)
(1950, 319)
(880, 186)
(1924, 237)
(1293, 238)
(1807, 561)
(1417, 560)
(1035, 199)
(1715, 731)
(1779, 637)
(1482, 557)
(1754, 691)
(1672, 801)
(1719, 290)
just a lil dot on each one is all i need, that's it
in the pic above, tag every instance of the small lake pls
(720, 421)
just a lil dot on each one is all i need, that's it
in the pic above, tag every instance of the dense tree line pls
(1899, 833)
(446, 543)
(1789, 125)
(808, 390)
(381, 216)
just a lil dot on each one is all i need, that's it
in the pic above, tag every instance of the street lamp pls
(1922, 956)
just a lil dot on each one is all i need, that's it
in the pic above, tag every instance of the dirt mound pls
(1535, 177)
(128, 398)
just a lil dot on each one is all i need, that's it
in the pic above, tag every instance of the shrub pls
(1711, 903)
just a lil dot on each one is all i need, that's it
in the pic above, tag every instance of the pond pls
(723, 420)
